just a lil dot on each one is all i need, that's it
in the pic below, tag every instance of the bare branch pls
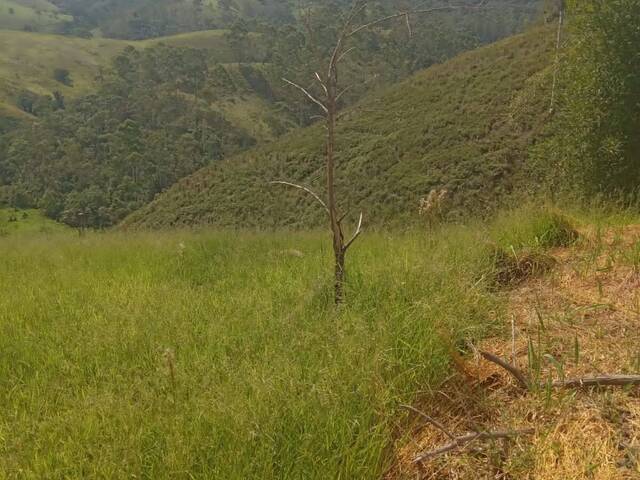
(322, 84)
(408, 21)
(406, 14)
(345, 90)
(337, 51)
(306, 92)
(460, 442)
(515, 372)
(345, 53)
(355, 235)
(556, 67)
(306, 189)
(431, 420)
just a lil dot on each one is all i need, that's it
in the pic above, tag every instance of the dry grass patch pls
(581, 318)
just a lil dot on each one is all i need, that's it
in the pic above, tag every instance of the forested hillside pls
(157, 115)
(94, 128)
(464, 126)
(41, 64)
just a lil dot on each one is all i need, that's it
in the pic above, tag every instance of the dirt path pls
(581, 319)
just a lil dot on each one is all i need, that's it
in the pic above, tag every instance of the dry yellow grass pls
(581, 319)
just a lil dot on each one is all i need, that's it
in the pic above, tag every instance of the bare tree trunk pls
(339, 251)
(328, 101)
(338, 239)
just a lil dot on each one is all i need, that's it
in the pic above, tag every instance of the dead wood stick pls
(599, 381)
(515, 372)
(586, 382)
(431, 420)
(462, 441)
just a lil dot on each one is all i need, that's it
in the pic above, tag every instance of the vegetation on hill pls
(158, 115)
(218, 355)
(28, 61)
(594, 144)
(138, 19)
(181, 108)
(32, 15)
(460, 126)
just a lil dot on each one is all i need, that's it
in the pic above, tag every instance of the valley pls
(263, 239)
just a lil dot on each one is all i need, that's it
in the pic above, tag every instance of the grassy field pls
(219, 355)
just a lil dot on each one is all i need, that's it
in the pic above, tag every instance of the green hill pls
(138, 19)
(29, 60)
(464, 125)
(39, 15)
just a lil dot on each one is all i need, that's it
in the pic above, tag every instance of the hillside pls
(38, 15)
(29, 60)
(137, 19)
(462, 125)
(134, 19)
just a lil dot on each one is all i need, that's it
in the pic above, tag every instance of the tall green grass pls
(219, 355)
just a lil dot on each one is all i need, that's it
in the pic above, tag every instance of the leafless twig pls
(306, 189)
(306, 92)
(431, 420)
(556, 67)
(356, 234)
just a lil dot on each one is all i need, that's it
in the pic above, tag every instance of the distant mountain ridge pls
(142, 19)
(464, 126)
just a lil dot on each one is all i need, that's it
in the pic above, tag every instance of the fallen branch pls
(515, 372)
(464, 440)
(586, 382)
(600, 381)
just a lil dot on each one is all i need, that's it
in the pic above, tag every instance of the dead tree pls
(328, 101)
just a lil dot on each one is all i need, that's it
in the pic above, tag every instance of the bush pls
(521, 238)
(63, 76)
(534, 228)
